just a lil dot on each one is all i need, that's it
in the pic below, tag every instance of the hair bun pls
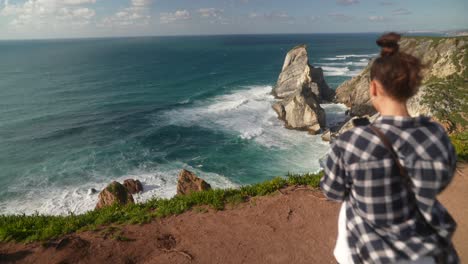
(389, 44)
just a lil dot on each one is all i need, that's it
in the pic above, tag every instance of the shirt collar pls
(402, 121)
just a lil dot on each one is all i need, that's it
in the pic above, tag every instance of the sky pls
(32, 19)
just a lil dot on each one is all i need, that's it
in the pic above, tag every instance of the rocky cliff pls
(302, 88)
(297, 73)
(445, 86)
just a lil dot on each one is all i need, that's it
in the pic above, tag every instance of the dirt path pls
(455, 198)
(295, 227)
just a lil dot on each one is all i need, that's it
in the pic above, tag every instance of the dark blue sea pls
(77, 114)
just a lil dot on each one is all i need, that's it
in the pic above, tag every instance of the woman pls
(388, 174)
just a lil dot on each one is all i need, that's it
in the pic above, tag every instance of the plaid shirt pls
(383, 222)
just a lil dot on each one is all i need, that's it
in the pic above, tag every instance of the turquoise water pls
(77, 114)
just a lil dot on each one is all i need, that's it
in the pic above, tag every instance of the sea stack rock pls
(301, 89)
(301, 111)
(298, 73)
(114, 193)
(188, 182)
(133, 186)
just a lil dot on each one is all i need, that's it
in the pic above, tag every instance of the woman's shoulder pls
(355, 139)
(419, 136)
(354, 133)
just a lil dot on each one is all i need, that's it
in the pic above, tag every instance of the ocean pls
(78, 114)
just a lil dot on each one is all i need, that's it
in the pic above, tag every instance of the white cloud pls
(386, 3)
(38, 13)
(179, 15)
(347, 2)
(312, 18)
(378, 18)
(340, 17)
(79, 2)
(141, 3)
(210, 12)
(401, 12)
(272, 16)
(136, 14)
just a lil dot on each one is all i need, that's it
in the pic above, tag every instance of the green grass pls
(29, 228)
(448, 99)
(460, 142)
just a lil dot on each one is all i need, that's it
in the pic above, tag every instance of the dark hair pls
(399, 73)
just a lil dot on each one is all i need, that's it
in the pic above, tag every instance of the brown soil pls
(455, 198)
(294, 226)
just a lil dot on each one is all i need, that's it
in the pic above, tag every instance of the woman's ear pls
(373, 88)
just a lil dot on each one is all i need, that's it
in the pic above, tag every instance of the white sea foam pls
(335, 113)
(340, 71)
(335, 71)
(348, 63)
(186, 101)
(357, 56)
(334, 59)
(246, 112)
(345, 57)
(345, 65)
(161, 183)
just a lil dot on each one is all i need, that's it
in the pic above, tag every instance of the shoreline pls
(160, 184)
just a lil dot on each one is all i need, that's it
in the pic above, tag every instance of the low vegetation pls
(29, 228)
(448, 96)
(460, 142)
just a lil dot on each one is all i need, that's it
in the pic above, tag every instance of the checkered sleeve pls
(333, 182)
(444, 165)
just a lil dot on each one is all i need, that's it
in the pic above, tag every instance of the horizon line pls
(227, 34)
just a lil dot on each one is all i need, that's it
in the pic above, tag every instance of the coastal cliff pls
(444, 91)
(301, 88)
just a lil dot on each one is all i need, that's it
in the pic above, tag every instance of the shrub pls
(460, 142)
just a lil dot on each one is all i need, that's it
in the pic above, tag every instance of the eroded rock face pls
(324, 93)
(188, 182)
(302, 88)
(354, 93)
(133, 186)
(298, 73)
(301, 111)
(114, 193)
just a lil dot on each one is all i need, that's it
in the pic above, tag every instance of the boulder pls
(114, 193)
(188, 182)
(133, 186)
(327, 136)
(298, 73)
(92, 191)
(301, 111)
